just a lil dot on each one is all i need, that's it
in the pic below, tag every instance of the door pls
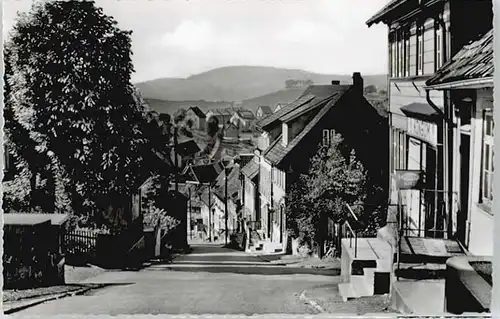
(464, 188)
(413, 196)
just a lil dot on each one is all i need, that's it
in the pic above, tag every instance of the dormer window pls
(328, 135)
(284, 138)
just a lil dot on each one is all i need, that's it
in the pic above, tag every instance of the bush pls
(237, 241)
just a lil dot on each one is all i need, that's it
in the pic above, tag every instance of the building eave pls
(463, 85)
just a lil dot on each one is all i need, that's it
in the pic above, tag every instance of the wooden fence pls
(79, 246)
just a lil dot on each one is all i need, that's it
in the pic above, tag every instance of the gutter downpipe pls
(450, 126)
(440, 174)
(448, 122)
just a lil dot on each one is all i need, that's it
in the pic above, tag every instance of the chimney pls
(335, 82)
(357, 81)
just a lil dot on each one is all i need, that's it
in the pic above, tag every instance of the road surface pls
(210, 280)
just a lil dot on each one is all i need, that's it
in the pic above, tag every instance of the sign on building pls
(409, 179)
(422, 130)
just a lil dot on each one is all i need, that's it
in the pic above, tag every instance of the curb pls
(46, 299)
(311, 302)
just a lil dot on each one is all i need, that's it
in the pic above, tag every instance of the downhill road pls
(210, 280)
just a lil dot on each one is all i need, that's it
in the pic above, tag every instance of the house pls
(197, 117)
(250, 193)
(423, 35)
(186, 151)
(278, 107)
(223, 115)
(263, 111)
(468, 80)
(204, 177)
(439, 101)
(291, 136)
(243, 119)
(226, 190)
(231, 131)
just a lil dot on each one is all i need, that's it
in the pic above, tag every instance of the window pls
(407, 55)
(439, 47)
(487, 158)
(402, 150)
(420, 50)
(394, 59)
(394, 159)
(326, 137)
(400, 58)
(6, 158)
(391, 54)
(398, 150)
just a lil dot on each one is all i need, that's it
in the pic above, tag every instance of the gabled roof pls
(245, 114)
(222, 111)
(230, 125)
(198, 112)
(33, 219)
(309, 98)
(377, 17)
(284, 110)
(305, 109)
(250, 170)
(473, 61)
(205, 173)
(187, 148)
(276, 152)
(233, 183)
(266, 110)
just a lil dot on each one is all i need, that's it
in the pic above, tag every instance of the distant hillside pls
(238, 83)
(272, 99)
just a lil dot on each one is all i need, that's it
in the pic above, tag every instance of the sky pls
(179, 38)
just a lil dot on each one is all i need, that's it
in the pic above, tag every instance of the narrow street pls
(210, 280)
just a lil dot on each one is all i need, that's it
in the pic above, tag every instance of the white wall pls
(481, 220)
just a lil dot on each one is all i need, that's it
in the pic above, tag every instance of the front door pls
(464, 188)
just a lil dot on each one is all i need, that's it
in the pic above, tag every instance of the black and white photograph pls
(249, 157)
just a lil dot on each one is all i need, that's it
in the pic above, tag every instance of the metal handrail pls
(355, 235)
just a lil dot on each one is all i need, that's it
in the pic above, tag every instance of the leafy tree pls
(190, 123)
(370, 89)
(212, 126)
(73, 106)
(179, 115)
(335, 178)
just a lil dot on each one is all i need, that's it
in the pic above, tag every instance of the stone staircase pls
(258, 244)
(366, 272)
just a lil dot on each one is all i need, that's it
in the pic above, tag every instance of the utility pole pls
(190, 215)
(175, 159)
(209, 214)
(225, 199)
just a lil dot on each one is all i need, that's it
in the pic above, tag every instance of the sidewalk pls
(17, 300)
(12, 306)
(327, 299)
(302, 262)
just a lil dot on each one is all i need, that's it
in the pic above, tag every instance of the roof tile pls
(198, 112)
(285, 110)
(251, 169)
(473, 61)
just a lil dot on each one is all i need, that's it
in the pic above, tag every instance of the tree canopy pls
(70, 107)
(335, 178)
